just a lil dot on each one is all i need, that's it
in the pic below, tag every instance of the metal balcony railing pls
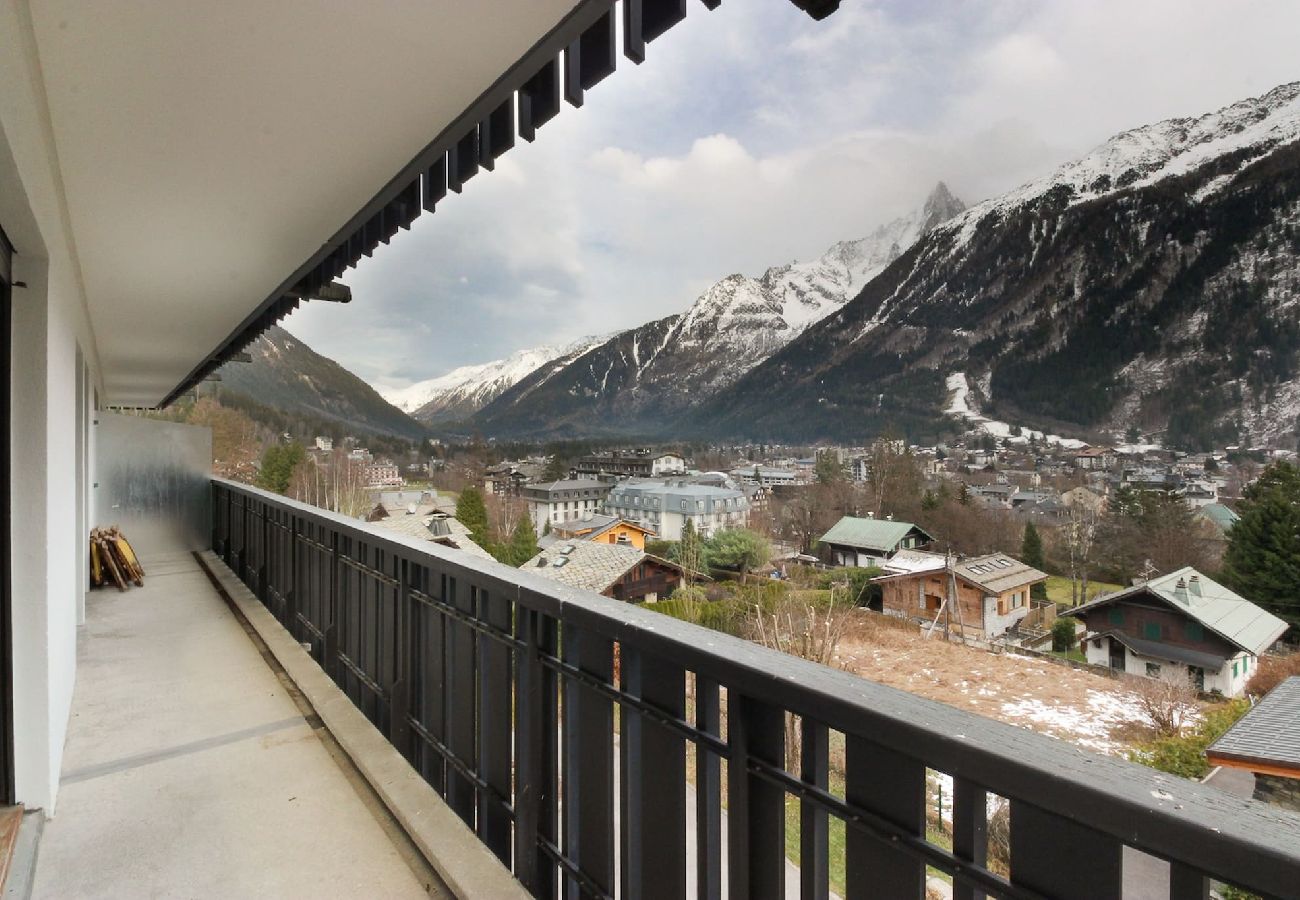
(516, 698)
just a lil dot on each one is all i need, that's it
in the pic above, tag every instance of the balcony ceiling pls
(208, 149)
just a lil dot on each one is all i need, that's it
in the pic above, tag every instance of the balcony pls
(575, 735)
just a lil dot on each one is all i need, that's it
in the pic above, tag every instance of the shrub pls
(1270, 671)
(1184, 754)
(1063, 632)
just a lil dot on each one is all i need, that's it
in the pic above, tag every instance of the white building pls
(665, 507)
(563, 501)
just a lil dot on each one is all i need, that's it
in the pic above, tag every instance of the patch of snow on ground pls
(1087, 725)
(959, 406)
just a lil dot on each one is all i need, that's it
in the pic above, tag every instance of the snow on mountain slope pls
(1151, 283)
(1238, 134)
(466, 390)
(643, 375)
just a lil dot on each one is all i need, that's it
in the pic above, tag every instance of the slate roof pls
(869, 534)
(589, 566)
(997, 572)
(1171, 652)
(446, 531)
(1269, 733)
(1226, 614)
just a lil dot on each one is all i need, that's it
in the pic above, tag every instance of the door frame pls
(7, 794)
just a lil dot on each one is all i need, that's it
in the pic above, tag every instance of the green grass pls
(1058, 589)
(1073, 653)
(835, 834)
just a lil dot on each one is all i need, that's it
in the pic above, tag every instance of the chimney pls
(1194, 585)
(1180, 590)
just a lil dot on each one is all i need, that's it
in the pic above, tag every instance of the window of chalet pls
(1193, 631)
(1151, 631)
(1116, 616)
(1153, 670)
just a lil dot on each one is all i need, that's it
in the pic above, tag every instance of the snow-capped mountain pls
(1154, 282)
(464, 391)
(640, 378)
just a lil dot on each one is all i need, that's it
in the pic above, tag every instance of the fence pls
(500, 689)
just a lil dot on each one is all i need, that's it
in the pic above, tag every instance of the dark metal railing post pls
(588, 738)
(330, 641)
(708, 797)
(653, 785)
(814, 831)
(891, 785)
(494, 694)
(1050, 854)
(537, 728)
(970, 828)
(291, 586)
(399, 691)
(264, 562)
(755, 807)
(461, 692)
(1185, 883)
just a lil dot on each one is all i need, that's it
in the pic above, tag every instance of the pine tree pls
(556, 469)
(471, 512)
(523, 542)
(1031, 552)
(278, 463)
(1262, 562)
(963, 494)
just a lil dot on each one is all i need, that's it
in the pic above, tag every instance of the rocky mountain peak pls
(939, 207)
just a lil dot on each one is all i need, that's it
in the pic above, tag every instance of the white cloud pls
(752, 136)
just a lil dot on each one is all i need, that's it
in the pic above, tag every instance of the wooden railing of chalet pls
(499, 687)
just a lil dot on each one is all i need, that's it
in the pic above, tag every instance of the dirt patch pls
(1089, 710)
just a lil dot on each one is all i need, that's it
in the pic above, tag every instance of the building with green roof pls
(870, 542)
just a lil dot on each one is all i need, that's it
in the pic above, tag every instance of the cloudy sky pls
(753, 136)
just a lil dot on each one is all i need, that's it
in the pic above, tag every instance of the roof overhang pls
(222, 162)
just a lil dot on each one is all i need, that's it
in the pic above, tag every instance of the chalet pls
(602, 529)
(871, 542)
(991, 592)
(1180, 626)
(615, 570)
(1266, 743)
(1094, 458)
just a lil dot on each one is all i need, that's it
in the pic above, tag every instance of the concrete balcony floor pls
(191, 771)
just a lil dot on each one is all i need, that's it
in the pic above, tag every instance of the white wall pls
(50, 322)
(1222, 681)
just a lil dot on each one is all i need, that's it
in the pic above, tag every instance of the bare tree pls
(1078, 534)
(894, 478)
(802, 630)
(1167, 704)
(335, 482)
